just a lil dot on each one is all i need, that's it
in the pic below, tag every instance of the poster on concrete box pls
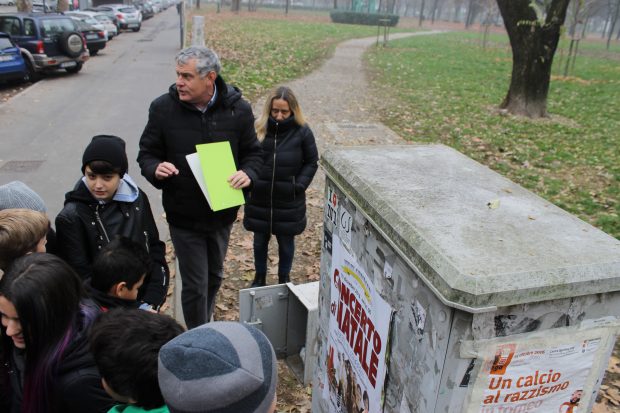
(540, 374)
(359, 326)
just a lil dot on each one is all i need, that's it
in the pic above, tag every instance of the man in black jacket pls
(199, 108)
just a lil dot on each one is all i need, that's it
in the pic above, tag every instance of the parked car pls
(110, 14)
(107, 23)
(155, 6)
(12, 63)
(7, 2)
(88, 20)
(41, 7)
(145, 9)
(128, 16)
(49, 41)
(95, 38)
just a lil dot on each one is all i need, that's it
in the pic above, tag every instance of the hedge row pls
(368, 19)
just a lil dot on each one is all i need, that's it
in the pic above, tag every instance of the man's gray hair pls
(206, 59)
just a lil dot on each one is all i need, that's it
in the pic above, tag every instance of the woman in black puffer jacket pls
(277, 202)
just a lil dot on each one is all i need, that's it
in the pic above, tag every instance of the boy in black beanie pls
(105, 203)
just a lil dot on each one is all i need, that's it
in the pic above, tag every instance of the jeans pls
(201, 262)
(286, 251)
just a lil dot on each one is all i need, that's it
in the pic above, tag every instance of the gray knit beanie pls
(17, 194)
(218, 367)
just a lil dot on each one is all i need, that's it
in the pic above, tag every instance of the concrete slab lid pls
(478, 239)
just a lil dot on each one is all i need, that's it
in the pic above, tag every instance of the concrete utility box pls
(494, 300)
(288, 315)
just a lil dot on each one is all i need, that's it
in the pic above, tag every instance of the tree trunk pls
(457, 11)
(421, 19)
(613, 23)
(533, 47)
(470, 11)
(24, 5)
(62, 5)
(433, 11)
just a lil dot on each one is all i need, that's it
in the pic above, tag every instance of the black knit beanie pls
(106, 148)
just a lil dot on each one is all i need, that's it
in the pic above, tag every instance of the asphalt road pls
(44, 130)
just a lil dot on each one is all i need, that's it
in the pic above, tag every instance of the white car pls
(102, 21)
(7, 2)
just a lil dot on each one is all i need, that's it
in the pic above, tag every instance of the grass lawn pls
(446, 89)
(265, 48)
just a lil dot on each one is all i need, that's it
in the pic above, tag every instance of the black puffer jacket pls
(174, 129)
(277, 203)
(84, 226)
(77, 387)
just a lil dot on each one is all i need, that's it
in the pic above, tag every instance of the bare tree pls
(24, 5)
(614, 20)
(421, 19)
(62, 5)
(490, 17)
(433, 11)
(534, 31)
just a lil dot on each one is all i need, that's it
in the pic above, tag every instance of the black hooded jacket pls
(84, 227)
(174, 129)
(277, 203)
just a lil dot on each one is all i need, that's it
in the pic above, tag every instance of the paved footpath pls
(335, 100)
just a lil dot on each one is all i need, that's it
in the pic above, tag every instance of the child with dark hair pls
(125, 344)
(45, 365)
(118, 273)
(105, 203)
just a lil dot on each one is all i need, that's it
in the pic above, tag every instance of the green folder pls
(217, 164)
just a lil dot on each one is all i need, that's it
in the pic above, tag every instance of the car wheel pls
(71, 43)
(93, 52)
(136, 29)
(31, 75)
(74, 69)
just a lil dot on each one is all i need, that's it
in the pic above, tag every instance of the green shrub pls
(368, 19)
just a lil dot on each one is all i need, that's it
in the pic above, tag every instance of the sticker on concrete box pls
(327, 241)
(359, 325)
(548, 371)
(331, 209)
(419, 316)
(345, 222)
(387, 269)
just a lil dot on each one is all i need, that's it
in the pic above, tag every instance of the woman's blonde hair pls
(284, 93)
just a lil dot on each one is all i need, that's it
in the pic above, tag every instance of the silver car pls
(98, 20)
(128, 16)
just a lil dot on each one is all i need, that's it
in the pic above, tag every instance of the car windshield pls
(5, 43)
(84, 26)
(56, 26)
(90, 21)
(127, 10)
(102, 18)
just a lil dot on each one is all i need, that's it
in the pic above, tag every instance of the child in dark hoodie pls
(105, 203)
(118, 273)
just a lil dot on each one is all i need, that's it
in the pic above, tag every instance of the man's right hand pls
(165, 170)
